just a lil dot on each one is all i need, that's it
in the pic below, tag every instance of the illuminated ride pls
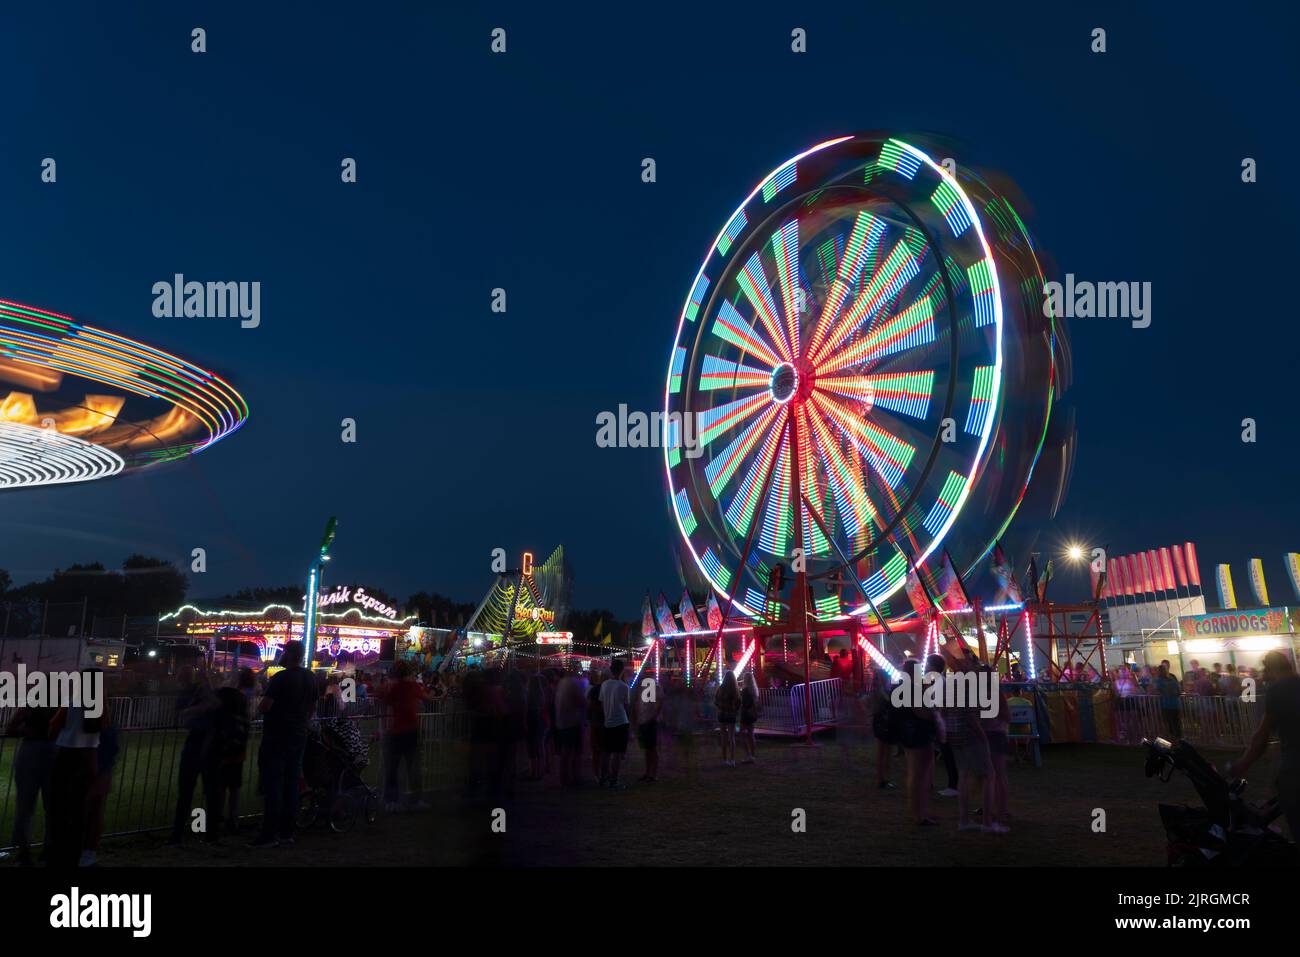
(862, 378)
(80, 403)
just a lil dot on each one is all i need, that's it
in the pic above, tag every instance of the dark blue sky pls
(522, 171)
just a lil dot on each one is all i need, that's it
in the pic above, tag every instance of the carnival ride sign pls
(356, 596)
(555, 637)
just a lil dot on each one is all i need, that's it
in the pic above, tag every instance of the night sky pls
(522, 171)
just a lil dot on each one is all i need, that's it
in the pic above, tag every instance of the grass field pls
(700, 813)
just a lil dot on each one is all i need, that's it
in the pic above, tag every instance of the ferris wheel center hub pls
(792, 381)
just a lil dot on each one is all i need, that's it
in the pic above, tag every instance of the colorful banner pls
(686, 608)
(647, 618)
(1148, 582)
(1008, 590)
(1132, 587)
(951, 594)
(1167, 567)
(1157, 573)
(712, 613)
(664, 616)
(1257, 581)
(1232, 624)
(1227, 597)
(1193, 569)
(916, 595)
(1292, 560)
(1180, 570)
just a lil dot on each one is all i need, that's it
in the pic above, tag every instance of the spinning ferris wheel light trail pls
(864, 332)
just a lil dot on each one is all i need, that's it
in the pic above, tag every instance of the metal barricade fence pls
(784, 709)
(1210, 722)
(145, 781)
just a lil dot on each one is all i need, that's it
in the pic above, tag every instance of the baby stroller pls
(332, 789)
(1228, 831)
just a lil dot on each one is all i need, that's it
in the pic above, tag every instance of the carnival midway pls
(868, 430)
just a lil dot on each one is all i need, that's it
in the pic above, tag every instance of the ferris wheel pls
(862, 375)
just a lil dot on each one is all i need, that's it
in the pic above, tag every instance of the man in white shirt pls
(613, 700)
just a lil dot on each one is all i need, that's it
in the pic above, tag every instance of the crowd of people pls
(972, 746)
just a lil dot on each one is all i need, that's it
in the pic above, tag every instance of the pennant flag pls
(712, 613)
(1180, 570)
(1167, 566)
(951, 593)
(1292, 560)
(664, 616)
(1257, 582)
(1148, 580)
(647, 618)
(1157, 575)
(686, 608)
(1227, 597)
(916, 594)
(1008, 590)
(1031, 578)
(1133, 576)
(1193, 569)
(1042, 582)
(600, 623)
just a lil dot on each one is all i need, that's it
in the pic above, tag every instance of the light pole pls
(314, 573)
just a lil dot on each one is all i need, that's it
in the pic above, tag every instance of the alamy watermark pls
(953, 689)
(1098, 300)
(21, 688)
(642, 430)
(179, 299)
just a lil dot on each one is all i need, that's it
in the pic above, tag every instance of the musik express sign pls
(357, 597)
(1236, 624)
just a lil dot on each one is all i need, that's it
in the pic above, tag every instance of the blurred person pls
(286, 708)
(996, 728)
(537, 726)
(31, 770)
(1166, 686)
(919, 729)
(614, 701)
(596, 724)
(402, 697)
(76, 766)
(550, 743)
(970, 751)
(935, 664)
(884, 727)
(1202, 687)
(196, 707)
(1281, 717)
(646, 707)
(727, 704)
(750, 700)
(228, 754)
(570, 703)
(97, 796)
(513, 730)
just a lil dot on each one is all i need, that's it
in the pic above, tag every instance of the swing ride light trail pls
(44, 355)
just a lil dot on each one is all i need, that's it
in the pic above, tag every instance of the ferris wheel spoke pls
(740, 513)
(847, 484)
(898, 269)
(815, 542)
(909, 329)
(724, 465)
(721, 419)
(753, 282)
(719, 373)
(785, 249)
(888, 455)
(732, 327)
(904, 393)
(860, 249)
